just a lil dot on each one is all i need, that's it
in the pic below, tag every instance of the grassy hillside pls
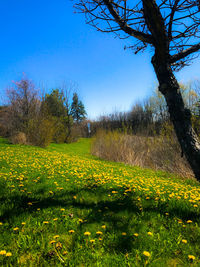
(62, 207)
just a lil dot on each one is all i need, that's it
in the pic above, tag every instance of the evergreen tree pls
(77, 109)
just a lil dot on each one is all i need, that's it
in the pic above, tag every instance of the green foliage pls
(77, 109)
(55, 104)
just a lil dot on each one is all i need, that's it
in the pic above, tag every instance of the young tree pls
(171, 28)
(77, 109)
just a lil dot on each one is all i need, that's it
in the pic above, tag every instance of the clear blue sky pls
(51, 44)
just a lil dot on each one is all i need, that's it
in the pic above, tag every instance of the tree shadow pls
(117, 212)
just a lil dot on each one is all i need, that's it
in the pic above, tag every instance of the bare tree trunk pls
(179, 115)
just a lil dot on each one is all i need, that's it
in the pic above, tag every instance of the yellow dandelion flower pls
(1, 223)
(184, 241)
(45, 222)
(16, 229)
(65, 252)
(80, 220)
(92, 241)
(62, 209)
(124, 233)
(2, 252)
(23, 223)
(8, 254)
(74, 197)
(166, 213)
(99, 233)
(30, 203)
(136, 234)
(103, 226)
(189, 221)
(191, 257)
(146, 253)
(56, 236)
(195, 205)
(87, 233)
(150, 233)
(55, 219)
(52, 242)
(71, 231)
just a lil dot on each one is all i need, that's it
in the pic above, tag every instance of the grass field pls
(63, 207)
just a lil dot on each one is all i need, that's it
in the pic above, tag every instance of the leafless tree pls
(171, 29)
(23, 105)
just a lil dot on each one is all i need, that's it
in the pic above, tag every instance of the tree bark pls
(179, 115)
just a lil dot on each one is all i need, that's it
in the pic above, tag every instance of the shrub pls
(40, 132)
(159, 153)
(19, 138)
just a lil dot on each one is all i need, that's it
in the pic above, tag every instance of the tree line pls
(151, 117)
(29, 118)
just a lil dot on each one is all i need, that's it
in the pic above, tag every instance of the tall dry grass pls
(158, 153)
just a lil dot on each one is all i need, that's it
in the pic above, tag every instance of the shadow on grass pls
(118, 211)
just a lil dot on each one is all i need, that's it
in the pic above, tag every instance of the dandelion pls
(30, 203)
(2, 252)
(23, 223)
(16, 229)
(166, 213)
(55, 219)
(191, 257)
(62, 209)
(1, 223)
(123, 233)
(56, 236)
(150, 233)
(45, 222)
(189, 221)
(99, 233)
(87, 233)
(74, 197)
(52, 242)
(103, 226)
(146, 253)
(136, 234)
(8, 254)
(184, 241)
(80, 220)
(71, 231)
(92, 241)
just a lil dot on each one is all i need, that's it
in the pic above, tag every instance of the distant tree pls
(77, 109)
(55, 103)
(23, 105)
(171, 29)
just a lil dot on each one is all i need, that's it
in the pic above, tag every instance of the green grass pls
(52, 198)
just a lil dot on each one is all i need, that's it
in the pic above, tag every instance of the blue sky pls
(52, 45)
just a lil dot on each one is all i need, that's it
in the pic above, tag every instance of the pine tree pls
(77, 109)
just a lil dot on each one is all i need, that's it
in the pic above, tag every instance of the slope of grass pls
(62, 207)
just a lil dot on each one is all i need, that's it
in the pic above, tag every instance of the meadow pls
(61, 206)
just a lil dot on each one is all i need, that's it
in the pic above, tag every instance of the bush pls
(159, 153)
(40, 132)
(19, 138)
